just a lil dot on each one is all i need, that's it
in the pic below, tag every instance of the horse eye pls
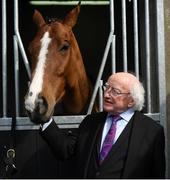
(65, 47)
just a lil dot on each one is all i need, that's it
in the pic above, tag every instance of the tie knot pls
(116, 118)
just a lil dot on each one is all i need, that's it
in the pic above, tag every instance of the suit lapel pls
(94, 130)
(136, 138)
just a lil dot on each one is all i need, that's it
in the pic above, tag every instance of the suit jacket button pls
(69, 132)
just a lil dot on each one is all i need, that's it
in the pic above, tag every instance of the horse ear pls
(38, 19)
(71, 17)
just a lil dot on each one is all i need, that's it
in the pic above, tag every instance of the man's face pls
(117, 98)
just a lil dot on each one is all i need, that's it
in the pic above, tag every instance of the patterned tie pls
(108, 142)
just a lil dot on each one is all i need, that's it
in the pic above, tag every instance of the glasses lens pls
(112, 90)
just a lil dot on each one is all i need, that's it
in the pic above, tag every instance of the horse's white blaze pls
(37, 82)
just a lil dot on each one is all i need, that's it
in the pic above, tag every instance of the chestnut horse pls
(58, 72)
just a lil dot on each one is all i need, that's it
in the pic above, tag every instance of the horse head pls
(58, 72)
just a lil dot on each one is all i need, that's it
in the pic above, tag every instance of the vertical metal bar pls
(26, 63)
(100, 96)
(113, 51)
(100, 73)
(147, 45)
(111, 39)
(4, 58)
(161, 70)
(16, 18)
(112, 16)
(112, 29)
(16, 73)
(136, 40)
(161, 58)
(124, 35)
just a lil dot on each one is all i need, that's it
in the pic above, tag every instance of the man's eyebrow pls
(115, 88)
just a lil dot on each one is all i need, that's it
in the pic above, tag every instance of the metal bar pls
(112, 29)
(111, 40)
(4, 58)
(161, 59)
(113, 51)
(100, 72)
(16, 73)
(147, 45)
(136, 40)
(24, 56)
(16, 29)
(124, 35)
(46, 3)
(24, 123)
(112, 24)
(161, 69)
(101, 96)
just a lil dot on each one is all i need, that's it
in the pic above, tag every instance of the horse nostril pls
(30, 93)
(41, 105)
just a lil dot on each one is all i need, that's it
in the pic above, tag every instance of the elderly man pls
(120, 142)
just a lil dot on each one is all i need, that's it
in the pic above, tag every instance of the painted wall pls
(167, 59)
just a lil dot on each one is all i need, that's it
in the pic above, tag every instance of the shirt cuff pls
(45, 125)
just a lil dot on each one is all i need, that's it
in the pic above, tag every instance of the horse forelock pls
(50, 21)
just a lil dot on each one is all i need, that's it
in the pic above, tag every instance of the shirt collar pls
(127, 115)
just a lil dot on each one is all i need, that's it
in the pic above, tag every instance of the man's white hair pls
(138, 94)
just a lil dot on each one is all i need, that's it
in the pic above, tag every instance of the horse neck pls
(78, 84)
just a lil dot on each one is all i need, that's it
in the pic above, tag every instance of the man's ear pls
(131, 102)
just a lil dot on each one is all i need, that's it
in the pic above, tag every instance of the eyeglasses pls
(113, 91)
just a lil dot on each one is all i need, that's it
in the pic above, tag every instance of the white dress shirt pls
(120, 125)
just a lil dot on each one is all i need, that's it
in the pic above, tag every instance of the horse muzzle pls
(37, 109)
